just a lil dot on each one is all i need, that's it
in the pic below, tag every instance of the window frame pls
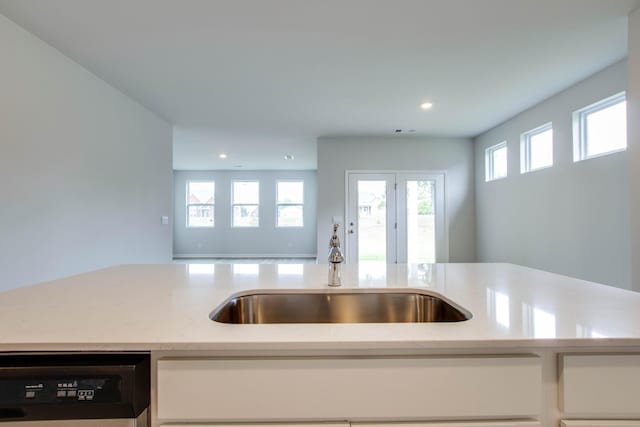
(489, 167)
(233, 204)
(188, 205)
(278, 204)
(580, 137)
(525, 147)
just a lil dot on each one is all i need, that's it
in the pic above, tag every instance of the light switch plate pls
(164, 220)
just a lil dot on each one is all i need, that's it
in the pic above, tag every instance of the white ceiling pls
(259, 79)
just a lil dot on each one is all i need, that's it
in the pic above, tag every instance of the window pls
(200, 203)
(245, 204)
(536, 148)
(600, 128)
(496, 161)
(365, 210)
(290, 203)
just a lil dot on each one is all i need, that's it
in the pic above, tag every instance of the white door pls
(371, 218)
(421, 219)
(396, 217)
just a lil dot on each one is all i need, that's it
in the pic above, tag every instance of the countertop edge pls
(284, 347)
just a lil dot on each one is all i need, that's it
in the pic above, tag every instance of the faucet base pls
(335, 274)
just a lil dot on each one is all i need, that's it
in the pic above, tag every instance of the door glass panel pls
(372, 221)
(421, 241)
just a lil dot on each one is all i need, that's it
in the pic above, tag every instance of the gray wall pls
(633, 128)
(85, 173)
(264, 241)
(454, 156)
(570, 219)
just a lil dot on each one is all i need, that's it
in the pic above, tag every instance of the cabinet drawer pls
(454, 424)
(260, 425)
(348, 389)
(600, 423)
(600, 386)
(390, 424)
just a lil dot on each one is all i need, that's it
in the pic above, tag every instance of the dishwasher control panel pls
(65, 386)
(63, 389)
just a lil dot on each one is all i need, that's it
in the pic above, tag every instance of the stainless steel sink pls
(338, 306)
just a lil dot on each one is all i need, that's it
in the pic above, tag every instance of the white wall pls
(454, 156)
(265, 241)
(85, 173)
(570, 219)
(633, 127)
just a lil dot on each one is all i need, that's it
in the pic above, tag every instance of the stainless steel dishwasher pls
(74, 390)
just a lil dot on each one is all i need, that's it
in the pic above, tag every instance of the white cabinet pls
(454, 424)
(439, 424)
(260, 425)
(600, 386)
(600, 423)
(358, 388)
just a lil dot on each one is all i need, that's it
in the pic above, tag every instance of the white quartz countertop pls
(167, 307)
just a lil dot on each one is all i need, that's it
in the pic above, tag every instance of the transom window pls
(600, 128)
(290, 203)
(496, 161)
(536, 148)
(200, 203)
(245, 204)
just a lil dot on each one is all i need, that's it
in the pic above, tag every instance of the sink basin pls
(338, 306)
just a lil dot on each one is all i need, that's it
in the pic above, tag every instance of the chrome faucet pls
(335, 258)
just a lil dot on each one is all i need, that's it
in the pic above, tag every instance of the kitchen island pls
(540, 348)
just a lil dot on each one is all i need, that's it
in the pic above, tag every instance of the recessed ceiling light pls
(288, 156)
(426, 105)
(222, 156)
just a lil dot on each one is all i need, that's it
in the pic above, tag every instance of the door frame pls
(442, 233)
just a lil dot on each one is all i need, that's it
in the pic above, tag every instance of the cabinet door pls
(600, 423)
(390, 424)
(601, 386)
(402, 389)
(454, 424)
(259, 425)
